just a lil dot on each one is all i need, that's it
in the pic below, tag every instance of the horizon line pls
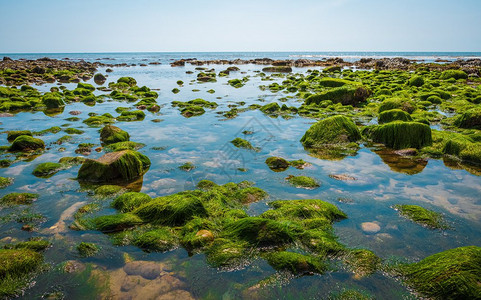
(253, 51)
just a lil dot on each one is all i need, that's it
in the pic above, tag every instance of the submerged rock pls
(115, 166)
(370, 227)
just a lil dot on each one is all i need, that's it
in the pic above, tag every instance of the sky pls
(76, 26)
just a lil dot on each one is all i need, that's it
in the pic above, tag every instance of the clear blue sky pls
(186, 25)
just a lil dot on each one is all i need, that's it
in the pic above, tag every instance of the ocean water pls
(204, 141)
(167, 57)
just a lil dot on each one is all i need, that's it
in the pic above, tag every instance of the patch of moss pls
(363, 262)
(451, 274)
(401, 135)
(27, 143)
(160, 239)
(303, 182)
(422, 216)
(112, 134)
(18, 199)
(123, 146)
(47, 169)
(241, 143)
(346, 95)
(130, 201)
(87, 249)
(188, 166)
(296, 263)
(331, 131)
(13, 134)
(108, 190)
(5, 181)
(394, 115)
(118, 222)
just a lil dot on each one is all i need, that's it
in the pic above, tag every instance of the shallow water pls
(382, 181)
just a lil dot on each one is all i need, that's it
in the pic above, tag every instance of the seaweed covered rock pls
(277, 163)
(416, 80)
(332, 130)
(241, 143)
(469, 119)
(270, 108)
(277, 69)
(346, 95)
(13, 134)
(18, 199)
(15, 266)
(87, 249)
(115, 166)
(397, 103)
(123, 146)
(129, 201)
(112, 134)
(114, 223)
(47, 169)
(303, 182)
(5, 181)
(159, 239)
(362, 262)
(27, 143)
(99, 79)
(456, 74)
(422, 216)
(394, 115)
(296, 263)
(451, 274)
(51, 100)
(401, 135)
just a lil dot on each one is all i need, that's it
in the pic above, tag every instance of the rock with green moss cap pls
(296, 263)
(188, 166)
(108, 190)
(118, 222)
(13, 134)
(123, 146)
(15, 267)
(277, 164)
(244, 144)
(422, 216)
(111, 134)
(416, 80)
(401, 135)
(26, 143)
(130, 201)
(451, 274)
(456, 74)
(100, 120)
(18, 199)
(72, 161)
(51, 100)
(132, 115)
(271, 108)
(333, 131)
(5, 181)
(362, 262)
(87, 249)
(160, 239)
(346, 95)
(394, 115)
(123, 165)
(47, 169)
(303, 182)
(469, 119)
(397, 103)
(128, 80)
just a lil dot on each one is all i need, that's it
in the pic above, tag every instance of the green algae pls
(401, 135)
(188, 166)
(331, 131)
(277, 164)
(87, 249)
(303, 182)
(128, 202)
(117, 222)
(346, 95)
(18, 199)
(244, 144)
(5, 181)
(119, 146)
(13, 134)
(108, 190)
(160, 239)
(451, 274)
(296, 263)
(363, 262)
(47, 169)
(422, 216)
(112, 134)
(26, 143)
(394, 115)
(124, 165)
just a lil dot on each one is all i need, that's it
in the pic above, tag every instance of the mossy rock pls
(160, 239)
(128, 80)
(451, 274)
(422, 216)
(26, 143)
(73, 131)
(13, 134)
(455, 74)
(15, 266)
(303, 210)
(131, 115)
(123, 165)
(18, 199)
(261, 232)
(87, 249)
(226, 253)
(416, 80)
(469, 119)
(99, 78)
(188, 166)
(172, 210)
(332, 130)
(346, 95)
(72, 161)
(47, 169)
(394, 115)
(52, 101)
(100, 120)
(129, 201)
(336, 82)
(33, 244)
(192, 111)
(363, 262)
(123, 146)
(271, 108)
(118, 222)
(278, 69)
(5, 181)
(303, 182)
(277, 164)
(397, 103)
(296, 263)
(401, 135)
(244, 144)
(206, 184)
(111, 134)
